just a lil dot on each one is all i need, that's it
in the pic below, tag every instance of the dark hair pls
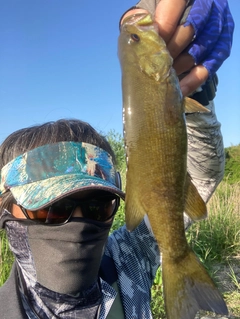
(62, 130)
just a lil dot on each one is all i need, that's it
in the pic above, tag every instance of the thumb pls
(197, 76)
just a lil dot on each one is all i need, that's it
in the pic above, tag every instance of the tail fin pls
(188, 288)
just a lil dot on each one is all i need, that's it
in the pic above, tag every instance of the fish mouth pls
(142, 20)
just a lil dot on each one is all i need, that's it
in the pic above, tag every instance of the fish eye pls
(135, 37)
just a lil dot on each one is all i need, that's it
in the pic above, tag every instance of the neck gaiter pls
(63, 260)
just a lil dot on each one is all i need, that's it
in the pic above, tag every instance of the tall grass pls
(218, 237)
(6, 258)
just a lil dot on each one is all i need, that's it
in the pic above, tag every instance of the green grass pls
(6, 258)
(157, 304)
(218, 237)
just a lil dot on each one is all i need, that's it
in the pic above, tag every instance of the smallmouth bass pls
(157, 182)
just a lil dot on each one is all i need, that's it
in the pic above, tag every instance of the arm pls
(186, 37)
(167, 16)
(135, 252)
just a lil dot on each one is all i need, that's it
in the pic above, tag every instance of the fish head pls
(140, 46)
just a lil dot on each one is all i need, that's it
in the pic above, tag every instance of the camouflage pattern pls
(44, 174)
(136, 256)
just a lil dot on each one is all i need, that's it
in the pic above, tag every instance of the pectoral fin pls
(195, 207)
(192, 106)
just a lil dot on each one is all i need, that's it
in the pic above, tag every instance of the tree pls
(117, 143)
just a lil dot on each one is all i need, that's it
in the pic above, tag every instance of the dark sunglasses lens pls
(58, 213)
(101, 209)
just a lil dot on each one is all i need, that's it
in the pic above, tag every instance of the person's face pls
(82, 203)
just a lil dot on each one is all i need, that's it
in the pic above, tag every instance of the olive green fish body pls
(155, 137)
(157, 183)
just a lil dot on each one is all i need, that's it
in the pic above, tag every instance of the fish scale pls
(157, 182)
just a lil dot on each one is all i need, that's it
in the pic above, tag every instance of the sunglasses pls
(99, 208)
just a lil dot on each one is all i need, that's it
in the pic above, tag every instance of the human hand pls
(201, 42)
(186, 40)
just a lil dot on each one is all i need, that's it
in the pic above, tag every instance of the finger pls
(183, 63)
(167, 16)
(193, 80)
(180, 40)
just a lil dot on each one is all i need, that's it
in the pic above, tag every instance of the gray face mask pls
(64, 259)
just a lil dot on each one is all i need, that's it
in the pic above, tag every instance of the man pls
(59, 193)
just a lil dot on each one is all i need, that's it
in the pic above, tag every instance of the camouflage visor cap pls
(48, 173)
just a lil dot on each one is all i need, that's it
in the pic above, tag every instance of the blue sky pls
(58, 59)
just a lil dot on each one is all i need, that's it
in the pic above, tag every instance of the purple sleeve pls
(213, 25)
